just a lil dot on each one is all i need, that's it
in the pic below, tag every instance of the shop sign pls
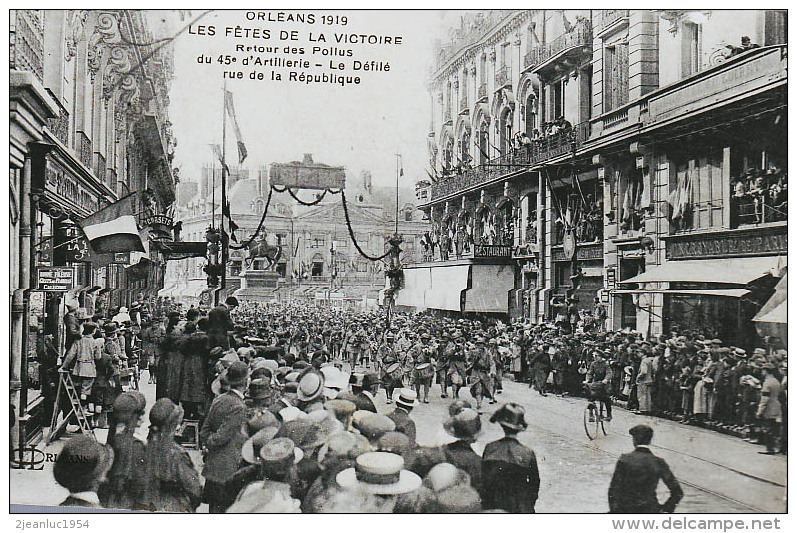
(729, 245)
(63, 184)
(583, 253)
(492, 250)
(55, 279)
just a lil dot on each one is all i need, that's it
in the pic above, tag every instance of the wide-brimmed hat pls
(237, 374)
(465, 425)
(261, 418)
(341, 409)
(259, 388)
(250, 452)
(343, 445)
(511, 416)
(379, 473)
(311, 386)
(304, 433)
(279, 454)
(128, 405)
(407, 398)
(82, 461)
(373, 425)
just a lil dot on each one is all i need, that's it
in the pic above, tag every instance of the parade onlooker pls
(633, 486)
(81, 468)
(769, 408)
(125, 482)
(172, 484)
(510, 478)
(221, 438)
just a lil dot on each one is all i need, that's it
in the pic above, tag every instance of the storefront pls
(714, 296)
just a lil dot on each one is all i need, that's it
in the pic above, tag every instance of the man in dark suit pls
(407, 399)
(633, 486)
(221, 438)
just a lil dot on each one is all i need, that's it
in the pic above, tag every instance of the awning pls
(193, 288)
(166, 292)
(732, 293)
(774, 310)
(448, 282)
(778, 315)
(416, 282)
(734, 271)
(490, 286)
(175, 250)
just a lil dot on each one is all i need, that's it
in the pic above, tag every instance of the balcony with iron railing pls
(27, 41)
(579, 38)
(83, 148)
(609, 17)
(518, 159)
(503, 77)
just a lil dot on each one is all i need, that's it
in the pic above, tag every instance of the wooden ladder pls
(56, 428)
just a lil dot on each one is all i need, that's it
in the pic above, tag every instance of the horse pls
(263, 248)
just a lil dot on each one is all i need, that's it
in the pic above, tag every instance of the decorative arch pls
(463, 135)
(529, 103)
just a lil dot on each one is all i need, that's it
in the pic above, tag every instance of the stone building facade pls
(660, 132)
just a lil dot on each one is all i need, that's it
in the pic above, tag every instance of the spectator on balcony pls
(563, 124)
(746, 45)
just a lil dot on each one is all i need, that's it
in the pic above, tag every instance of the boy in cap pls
(633, 485)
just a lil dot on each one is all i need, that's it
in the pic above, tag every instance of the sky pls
(360, 127)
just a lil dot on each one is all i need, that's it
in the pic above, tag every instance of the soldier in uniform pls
(457, 373)
(423, 371)
(390, 367)
(481, 380)
(444, 351)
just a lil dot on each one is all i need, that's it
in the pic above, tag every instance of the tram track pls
(593, 446)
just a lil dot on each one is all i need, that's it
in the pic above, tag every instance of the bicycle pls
(595, 418)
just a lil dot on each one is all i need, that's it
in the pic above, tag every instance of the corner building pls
(669, 138)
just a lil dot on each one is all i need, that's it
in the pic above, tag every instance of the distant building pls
(318, 256)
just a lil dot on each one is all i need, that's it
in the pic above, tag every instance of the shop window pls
(317, 269)
(696, 193)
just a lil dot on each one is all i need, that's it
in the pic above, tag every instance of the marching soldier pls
(390, 367)
(481, 380)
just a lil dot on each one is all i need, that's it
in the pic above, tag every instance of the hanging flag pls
(115, 236)
(229, 223)
(401, 171)
(113, 228)
(230, 109)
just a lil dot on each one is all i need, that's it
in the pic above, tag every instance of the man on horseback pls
(266, 246)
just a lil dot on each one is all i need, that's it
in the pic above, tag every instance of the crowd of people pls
(282, 399)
